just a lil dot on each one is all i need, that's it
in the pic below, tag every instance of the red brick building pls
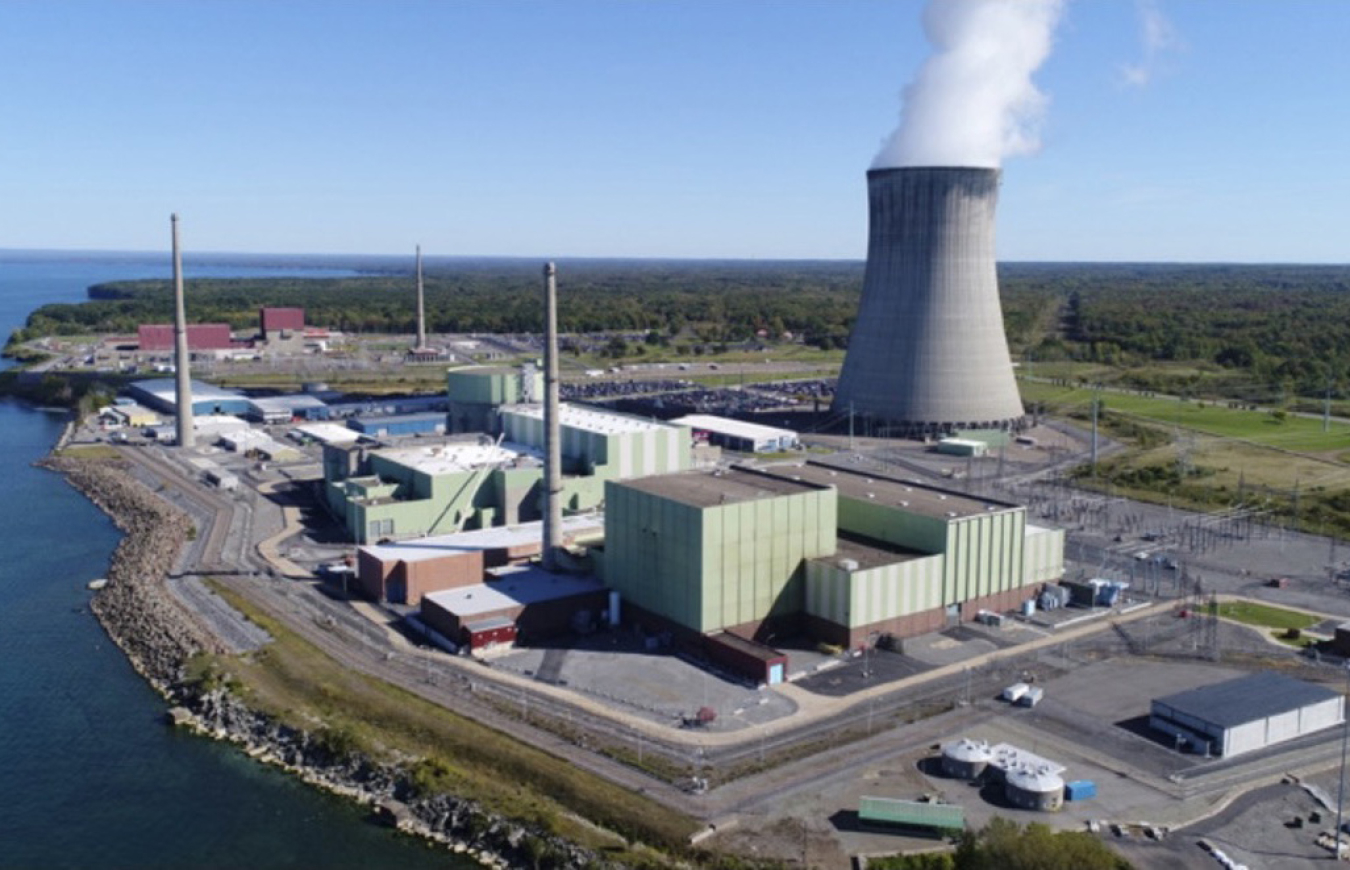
(158, 337)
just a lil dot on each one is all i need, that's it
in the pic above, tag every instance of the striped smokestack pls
(183, 380)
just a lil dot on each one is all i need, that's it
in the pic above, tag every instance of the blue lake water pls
(90, 776)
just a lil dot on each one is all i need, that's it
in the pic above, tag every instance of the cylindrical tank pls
(928, 354)
(1034, 788)
(966, 758)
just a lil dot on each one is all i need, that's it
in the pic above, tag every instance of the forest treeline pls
(1270, 324)
(718, 302)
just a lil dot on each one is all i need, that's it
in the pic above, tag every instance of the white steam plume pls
(973, 102)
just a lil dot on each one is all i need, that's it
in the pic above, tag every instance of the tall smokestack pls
(928, 354)
(183, 381)
(421, 306)
(552, 436)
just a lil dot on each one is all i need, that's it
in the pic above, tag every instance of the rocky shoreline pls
(159, 636)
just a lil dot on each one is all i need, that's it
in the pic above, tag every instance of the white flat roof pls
(496, 537)
(434, 459)
(591, 419)
(218, 423)
(734, 428)
(1009, 757)
(165, 389)
(252, 439)
(291, 402)
(524, 585)
(328, 433)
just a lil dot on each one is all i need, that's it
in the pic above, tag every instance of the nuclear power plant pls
(928, 355)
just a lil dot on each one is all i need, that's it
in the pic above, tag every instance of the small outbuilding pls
(739, 435)
(1246, 714)
(528, 599)
(902, 815)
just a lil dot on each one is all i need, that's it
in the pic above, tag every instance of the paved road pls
(501, 700)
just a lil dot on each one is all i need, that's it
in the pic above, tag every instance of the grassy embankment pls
(1206, 454)
(298, 684)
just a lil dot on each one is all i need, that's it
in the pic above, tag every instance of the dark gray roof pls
(1246, 699)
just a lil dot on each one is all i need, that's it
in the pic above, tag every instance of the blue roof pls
(1246, 699)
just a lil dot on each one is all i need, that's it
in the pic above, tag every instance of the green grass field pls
(1299, 434)
(1266, 616)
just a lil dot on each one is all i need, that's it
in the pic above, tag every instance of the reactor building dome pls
(966, 758)
(928, 355)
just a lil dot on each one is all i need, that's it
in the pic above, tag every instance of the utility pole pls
(1326, 408)
(1340, 794)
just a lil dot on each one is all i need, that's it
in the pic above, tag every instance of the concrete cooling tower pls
(927, 354)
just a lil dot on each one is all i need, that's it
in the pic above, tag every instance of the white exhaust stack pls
(552, 437)
(421, 306)
(183, 381)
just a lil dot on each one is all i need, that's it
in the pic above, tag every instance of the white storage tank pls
(1034, 788)
(966, 758)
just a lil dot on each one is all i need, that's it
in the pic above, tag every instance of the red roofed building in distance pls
(274, 320)
(158, 337)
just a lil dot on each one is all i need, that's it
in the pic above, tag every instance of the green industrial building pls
(840, 555)
(431, 487)
(477, 395)
(711, 552)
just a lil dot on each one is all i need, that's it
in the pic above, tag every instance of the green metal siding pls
(914, 813)
(487, 388)
(713, 567)
(871, 595)
(1044, 555)
(892, 525)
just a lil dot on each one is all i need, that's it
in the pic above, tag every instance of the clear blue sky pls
(664, 128)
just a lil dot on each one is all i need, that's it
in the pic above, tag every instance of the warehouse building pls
(160, 394)
(425, 423)
(284, 409)
(323, 433)
(130, 414)
(522, 601)
(738, 435)
(159, 337)
(402, 572)
(1246, 714)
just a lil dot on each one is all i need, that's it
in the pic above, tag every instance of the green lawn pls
(1266, 616)
(1301, 434)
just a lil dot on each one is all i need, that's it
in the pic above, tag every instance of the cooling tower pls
(927, 354)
